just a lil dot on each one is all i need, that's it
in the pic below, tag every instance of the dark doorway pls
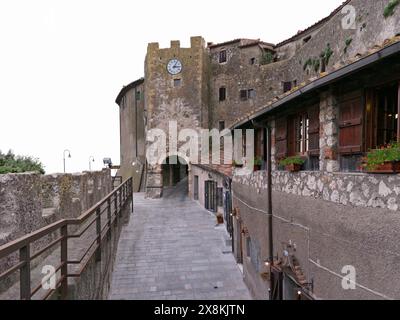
(196, 188)
(174, 170)
(210, 195)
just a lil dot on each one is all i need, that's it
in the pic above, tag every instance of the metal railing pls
(116, 181)
(113, 205)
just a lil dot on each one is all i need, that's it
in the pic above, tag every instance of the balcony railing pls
(93, 223)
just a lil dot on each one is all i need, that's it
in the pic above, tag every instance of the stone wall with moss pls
(29, 202)
(337, 42)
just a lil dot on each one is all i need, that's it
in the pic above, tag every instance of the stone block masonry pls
(185, 102)
(31, 201)
(353, 189)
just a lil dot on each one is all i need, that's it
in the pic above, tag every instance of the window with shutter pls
(259, 144)
(351, 124)
(291, 135)
(313, 130)
(222, 56)
(281, 138)
(243, 95)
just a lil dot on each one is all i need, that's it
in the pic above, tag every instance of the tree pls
(11, 163)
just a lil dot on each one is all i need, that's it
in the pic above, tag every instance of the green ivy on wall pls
(389, 9)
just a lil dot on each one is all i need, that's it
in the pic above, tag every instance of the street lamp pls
(69, 156)
(91, 159)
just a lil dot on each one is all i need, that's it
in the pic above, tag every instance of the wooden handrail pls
(118, 197)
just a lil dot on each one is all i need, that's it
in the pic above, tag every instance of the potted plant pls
(257, 163)
(383, 160)
(292, 164)
(236, 164)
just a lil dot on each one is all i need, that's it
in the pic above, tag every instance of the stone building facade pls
(132, 133)
(328, 95)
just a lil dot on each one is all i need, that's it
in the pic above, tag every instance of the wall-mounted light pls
(285, 253)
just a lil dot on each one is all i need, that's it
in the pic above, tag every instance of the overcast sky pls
(62, 63)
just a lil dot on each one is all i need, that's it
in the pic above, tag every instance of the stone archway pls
(174, 169)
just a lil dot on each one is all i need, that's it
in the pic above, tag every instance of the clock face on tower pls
(174, 66)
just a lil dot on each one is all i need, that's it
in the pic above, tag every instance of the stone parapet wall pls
(29, 202)
(352, 189)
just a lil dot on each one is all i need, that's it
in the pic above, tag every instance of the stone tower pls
(176, 89)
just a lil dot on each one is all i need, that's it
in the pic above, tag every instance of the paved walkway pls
(172, 250)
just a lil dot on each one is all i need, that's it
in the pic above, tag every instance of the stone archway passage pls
(174, 169)
(172, 250)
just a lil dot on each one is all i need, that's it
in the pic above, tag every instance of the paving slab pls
(172, 250)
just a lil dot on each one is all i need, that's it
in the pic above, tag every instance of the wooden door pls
(196, 188)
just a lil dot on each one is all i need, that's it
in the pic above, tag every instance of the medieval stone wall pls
(324, 237)
(239, 74)
(353, 189)
(29, 202)
(132, 135)
(186, 103)
(370, 28)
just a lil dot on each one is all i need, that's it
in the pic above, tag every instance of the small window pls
(251, 93)
(287, 86)
(243, 95)
(221, 125)
(253, 61)
(306, 39)
(222, 94)
(177, 82)
(138, 95)
(222, 56)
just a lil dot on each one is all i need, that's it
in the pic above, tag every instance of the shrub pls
(267, 58)
(257, 161)
(10, 163)
(292, 160)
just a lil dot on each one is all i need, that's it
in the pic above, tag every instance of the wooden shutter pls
(291, 135)
(351, 124)
(313, 130)
(276, 284)
(281, 138)
(259, 143)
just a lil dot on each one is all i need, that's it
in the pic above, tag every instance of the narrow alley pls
(172, 249)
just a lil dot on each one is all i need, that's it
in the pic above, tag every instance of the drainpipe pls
(136, 123)
(398, 113)
(269, 185)
(265, 125)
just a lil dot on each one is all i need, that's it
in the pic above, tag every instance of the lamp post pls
(69, 156)
(91, 159)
